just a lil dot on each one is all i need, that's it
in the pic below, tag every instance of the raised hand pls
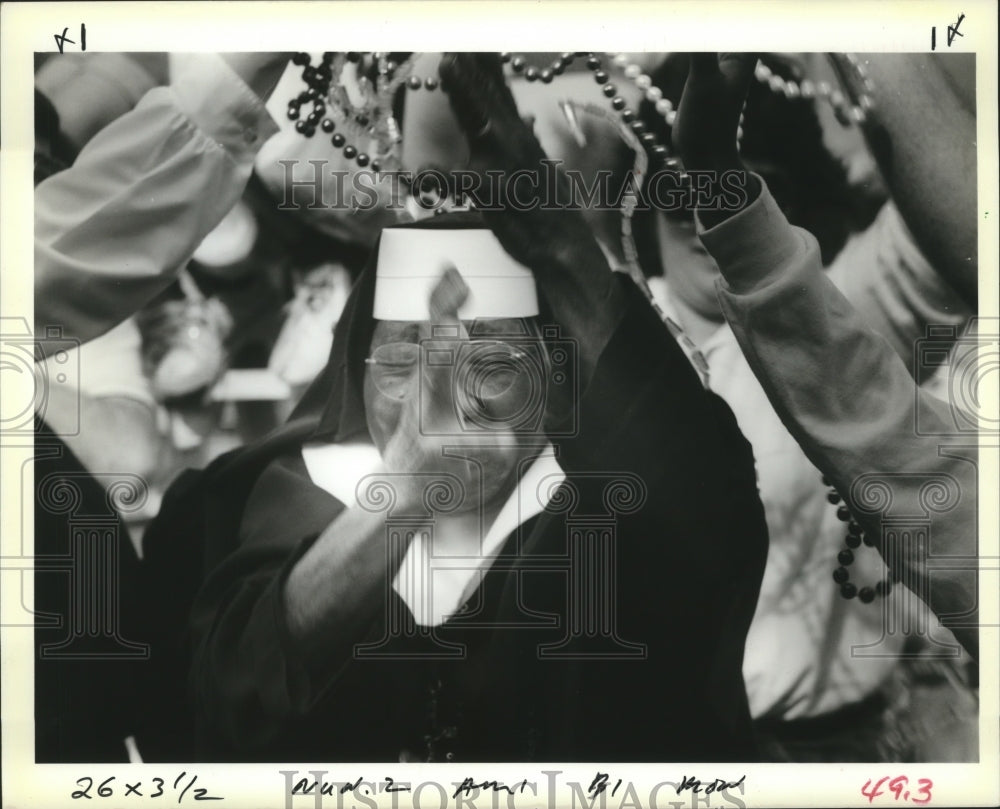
(436, 433)
(710, 107)
(707, 119)
(499, 140)
(555, 243)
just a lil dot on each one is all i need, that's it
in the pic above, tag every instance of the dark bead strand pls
(318, 80)
(855, 536)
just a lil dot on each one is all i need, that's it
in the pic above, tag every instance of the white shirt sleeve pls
(112, 230)
(888, 280)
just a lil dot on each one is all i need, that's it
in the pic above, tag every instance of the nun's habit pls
(507, 675)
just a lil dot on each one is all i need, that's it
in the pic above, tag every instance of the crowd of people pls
(451, 474)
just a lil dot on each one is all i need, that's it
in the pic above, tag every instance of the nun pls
(506, 523)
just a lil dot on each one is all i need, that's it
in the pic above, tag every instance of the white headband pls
(411, 261)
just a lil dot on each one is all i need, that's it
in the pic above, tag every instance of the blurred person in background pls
(112, 228)
(827, 701)
(840, 389)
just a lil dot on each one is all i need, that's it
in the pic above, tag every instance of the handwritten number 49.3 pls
(62, 39)
(899, 787)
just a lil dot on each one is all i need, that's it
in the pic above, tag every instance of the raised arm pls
(922, 132)
(570, 270)
(641, 410)
(838, 386)
(112, 230)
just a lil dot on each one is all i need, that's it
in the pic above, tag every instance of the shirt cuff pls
(754, 246)
(220, 103)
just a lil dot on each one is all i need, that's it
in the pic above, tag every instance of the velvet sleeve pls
(249, 681)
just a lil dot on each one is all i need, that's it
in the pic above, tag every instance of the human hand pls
(553, 240)
(708, 117)
(440, 428)
(709, 111)
(501, 141)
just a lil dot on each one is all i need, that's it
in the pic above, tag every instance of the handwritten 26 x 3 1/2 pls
(106, 790)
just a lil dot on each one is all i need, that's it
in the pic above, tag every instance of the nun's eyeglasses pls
(488, 366)
(407, 354)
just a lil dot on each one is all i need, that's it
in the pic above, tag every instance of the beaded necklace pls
(856, 536)
(371, 120)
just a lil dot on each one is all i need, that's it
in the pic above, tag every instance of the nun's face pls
(489, 384)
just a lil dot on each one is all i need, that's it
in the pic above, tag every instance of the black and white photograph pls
(470, 425)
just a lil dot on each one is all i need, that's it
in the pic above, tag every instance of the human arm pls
(889, 281)
(310, 609)
(848, 399)
(922, 133)
(915, 266)
(89, 90)
(570, 270)
(839, 388)
(641, 417)
(111, 231)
